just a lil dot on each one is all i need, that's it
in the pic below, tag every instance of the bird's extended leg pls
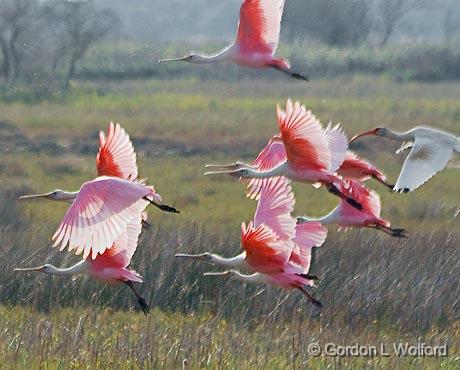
(309, 277)
(389, 186)
(311, 298)
(295, 75)
(397, 233)
(334, 190)
(142, 303)
(162, 207)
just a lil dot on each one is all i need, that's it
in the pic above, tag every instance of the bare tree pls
(391, 12)
(451, 25)
(15, 18)
(335, 22)
(79, 24)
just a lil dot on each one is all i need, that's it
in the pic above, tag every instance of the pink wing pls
(338, 146)
(306, 145)
(275, 206)
(308, 235)
(100, 214)
(354, 168)
(369, 199)
(270, 157)
(123, 248)
(259, 26)
(265, 252)
(116, 156)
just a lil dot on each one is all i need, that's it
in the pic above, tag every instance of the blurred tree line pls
(354, 22)
(41, 42)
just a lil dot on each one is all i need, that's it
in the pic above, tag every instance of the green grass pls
(70, 339)
(376, 289)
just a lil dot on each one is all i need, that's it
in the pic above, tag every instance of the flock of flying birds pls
(105, 217)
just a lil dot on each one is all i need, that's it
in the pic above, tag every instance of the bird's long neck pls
(398, 136)
(67, 196)
(254, 278)
(78, 268)
(222, 56)
(229, 262)
(256, 174)
(328, 219)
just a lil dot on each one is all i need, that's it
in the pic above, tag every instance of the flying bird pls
(115, 158)
(104, 219)
(111, 265)
(302, 152)
(346, 216)
(276, 249)
(355, 168)
(256, 42)
(431, 150)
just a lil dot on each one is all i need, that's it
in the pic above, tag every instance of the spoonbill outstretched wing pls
(311, 154)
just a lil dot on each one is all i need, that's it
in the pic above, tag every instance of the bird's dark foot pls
(311, 298)
(406, 190)
(316, 302)
(167, 208)
(162, 207)
(144, 306)
(298, 76)
(309, 277)
(391, 187)
(399, 233)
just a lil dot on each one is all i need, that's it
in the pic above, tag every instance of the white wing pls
(426, 159)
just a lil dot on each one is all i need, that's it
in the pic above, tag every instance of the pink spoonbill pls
(115, 162)
(302, 152)
(276, 249)
(108, 264)
(256, 42)
(345, 216)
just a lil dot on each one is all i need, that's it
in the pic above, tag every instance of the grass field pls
(375, 289)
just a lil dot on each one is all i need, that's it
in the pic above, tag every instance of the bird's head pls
(58, 195)
(378, 131)
(46, 269)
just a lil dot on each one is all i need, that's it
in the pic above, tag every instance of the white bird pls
(431, 151)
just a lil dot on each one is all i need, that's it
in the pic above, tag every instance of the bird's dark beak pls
(32, 196)
(29, 269)
(183, 59)
(367, 133)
